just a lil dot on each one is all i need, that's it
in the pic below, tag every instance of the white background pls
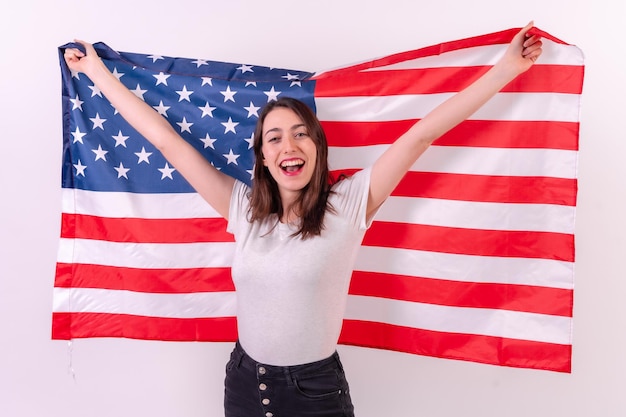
(116, 377)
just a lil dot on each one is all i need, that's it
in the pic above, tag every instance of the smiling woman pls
(291, 168)
(297, 232)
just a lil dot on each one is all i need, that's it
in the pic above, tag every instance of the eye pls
(301, 134)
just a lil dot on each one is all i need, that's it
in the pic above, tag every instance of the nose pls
(289, 144)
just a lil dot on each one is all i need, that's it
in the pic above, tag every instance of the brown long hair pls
(313, 200)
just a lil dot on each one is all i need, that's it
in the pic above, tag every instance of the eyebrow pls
(276, 129)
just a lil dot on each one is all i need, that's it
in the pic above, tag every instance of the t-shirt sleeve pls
(351, 196)
(239, 203)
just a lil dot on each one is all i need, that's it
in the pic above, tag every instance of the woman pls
(289, 228)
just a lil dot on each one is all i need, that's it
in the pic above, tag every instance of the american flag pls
(471, 258)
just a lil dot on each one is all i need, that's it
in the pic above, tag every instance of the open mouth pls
(292, 165)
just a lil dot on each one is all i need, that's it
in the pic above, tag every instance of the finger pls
(532, 49)
(73, 55)
(528, 27)
(74, 51)
(531, 40)
(86, 47)
(523, 33)
(533, 55)
(518, 41)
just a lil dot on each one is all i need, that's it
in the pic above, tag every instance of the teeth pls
(292, 163)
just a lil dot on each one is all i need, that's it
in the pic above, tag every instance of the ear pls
(264, 162)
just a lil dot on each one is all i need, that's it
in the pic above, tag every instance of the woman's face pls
(288, 151)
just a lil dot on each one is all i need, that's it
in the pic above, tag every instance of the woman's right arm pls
(214, 186)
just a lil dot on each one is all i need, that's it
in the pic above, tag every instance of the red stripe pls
(473, 133)
(528, 298)
(477, 348)
(484, 188)
(491, 189)
(501, 243)
(540, 78)
(484, 349)
(186, 280)
(66, 326)
(82, 226)
(541, 300)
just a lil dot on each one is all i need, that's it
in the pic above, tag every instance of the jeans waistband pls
(244, 360)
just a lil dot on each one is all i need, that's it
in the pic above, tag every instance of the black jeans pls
(317, 389)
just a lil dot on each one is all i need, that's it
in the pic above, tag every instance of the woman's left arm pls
(393, 164)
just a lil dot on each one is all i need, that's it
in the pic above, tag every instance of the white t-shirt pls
(291, 293)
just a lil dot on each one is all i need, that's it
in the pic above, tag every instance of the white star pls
(161, 78)
(231, 157)
(252, 110)
(272, 94)
(290, 77)
(230, 125)
(95, 91)
(295, 80)
(139, 92)
(251, 172)
(155, 58)
(100, 153)
(80, 168)
(250, 83)
(161, 109)
(207, 110)
(228, 95)
(120, 139)
(200, 62)
(250, 141)
(184, 94)
(75, 74)
(245, 68)
(121, 171)
(97, 121)
(143, 156)
(77, 103)
(184, 125)
(116, 74)
(207, 80)
(208, 142)
(78, 135)
(166, 171)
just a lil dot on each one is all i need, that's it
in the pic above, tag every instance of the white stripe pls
(466, 268)
(552, 54)
(189, 305)
(478, 321)
(503, 106)
(146, 255)
(467, 160)
(479, 215)
(466, 57)
(130, 205)
(431, 211)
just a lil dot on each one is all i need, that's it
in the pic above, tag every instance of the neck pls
(291, 211)
(290, 215)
